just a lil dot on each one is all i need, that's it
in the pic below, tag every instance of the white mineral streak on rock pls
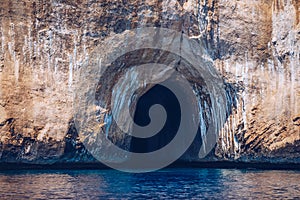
(121, 99)
(244, 94)
(30, 45)
(107, 122)
(70, 71)
(203, 129)
(11, 46)
(2, 40)
(50, 52)
(75, 52)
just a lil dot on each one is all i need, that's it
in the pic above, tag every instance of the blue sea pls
(163, 184)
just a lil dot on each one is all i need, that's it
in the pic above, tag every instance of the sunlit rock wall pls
(263, 59)
(253, 44)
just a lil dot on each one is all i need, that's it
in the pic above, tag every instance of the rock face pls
(254, 46)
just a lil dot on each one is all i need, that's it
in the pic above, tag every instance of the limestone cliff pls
(254, 46)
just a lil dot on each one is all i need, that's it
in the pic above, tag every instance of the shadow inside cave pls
(161, 95)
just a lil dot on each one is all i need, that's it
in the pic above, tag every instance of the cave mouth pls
(158, 94)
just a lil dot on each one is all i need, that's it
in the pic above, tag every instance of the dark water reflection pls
(168, 184)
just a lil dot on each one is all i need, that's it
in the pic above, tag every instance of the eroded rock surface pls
(254, 45)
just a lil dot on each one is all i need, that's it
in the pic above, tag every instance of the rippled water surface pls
(169, 184)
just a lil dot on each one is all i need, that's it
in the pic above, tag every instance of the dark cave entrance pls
(158, 94)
